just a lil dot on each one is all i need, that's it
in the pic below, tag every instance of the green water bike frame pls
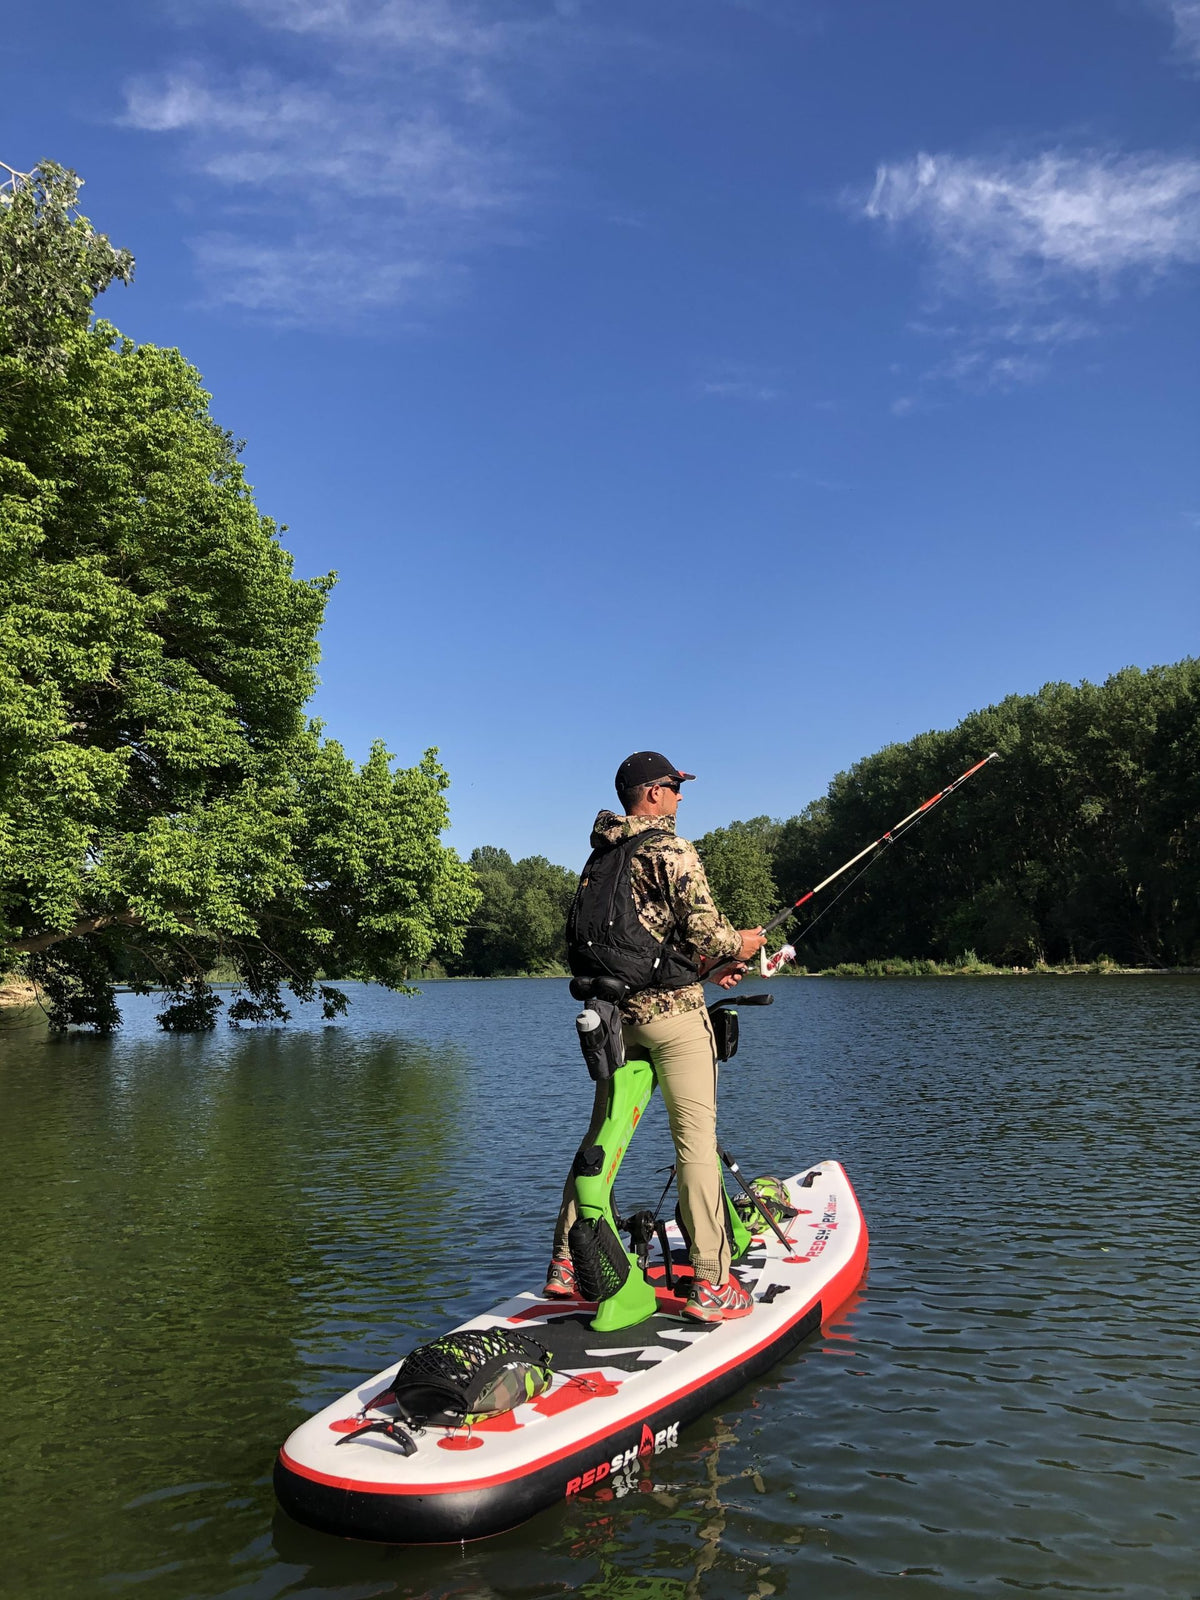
(595, 1171)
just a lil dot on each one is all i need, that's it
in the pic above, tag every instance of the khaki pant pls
(684, 1055)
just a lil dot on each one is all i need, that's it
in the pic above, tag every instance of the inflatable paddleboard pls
(616, 1398)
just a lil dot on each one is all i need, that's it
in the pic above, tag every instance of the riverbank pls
(890, 967)
(901, 968)
(17, 992)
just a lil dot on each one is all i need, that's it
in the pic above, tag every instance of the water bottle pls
(590, 1026)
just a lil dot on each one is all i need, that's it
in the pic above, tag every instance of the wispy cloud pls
(735, 380)
(257, 132)
(737, 389)
(431, 27)
(788, 14)
(367, 178)
(1185, 14)
(990, 357)
(1026, 247)
(1012, 225)
(799, 475)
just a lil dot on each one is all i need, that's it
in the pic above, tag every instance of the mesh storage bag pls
(464, 1377)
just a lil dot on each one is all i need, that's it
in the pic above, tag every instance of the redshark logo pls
(650, 1444)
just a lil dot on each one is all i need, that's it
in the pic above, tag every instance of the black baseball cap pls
(647, 766)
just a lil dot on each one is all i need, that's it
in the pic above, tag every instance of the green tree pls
(520, 923)
(165, 805)
(543, 898)
(738, 862)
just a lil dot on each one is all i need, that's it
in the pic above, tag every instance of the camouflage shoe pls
(709, 1302)
(560, 1281)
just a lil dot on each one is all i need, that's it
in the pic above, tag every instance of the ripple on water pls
(213, 1236)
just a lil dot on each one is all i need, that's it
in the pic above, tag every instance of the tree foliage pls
(165, 805)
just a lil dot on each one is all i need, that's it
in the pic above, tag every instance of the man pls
(669, 1023)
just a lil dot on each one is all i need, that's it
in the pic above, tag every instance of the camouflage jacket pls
(670, 890)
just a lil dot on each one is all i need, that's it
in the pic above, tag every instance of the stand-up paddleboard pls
(616, 1397)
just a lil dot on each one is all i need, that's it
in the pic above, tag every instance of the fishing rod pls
(886, 840)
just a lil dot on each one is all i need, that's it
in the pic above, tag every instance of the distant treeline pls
(1082, 842)
(520, 923)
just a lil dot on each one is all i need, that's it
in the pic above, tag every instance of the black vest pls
(605, 939)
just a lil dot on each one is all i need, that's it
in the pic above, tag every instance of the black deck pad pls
(573, 1342)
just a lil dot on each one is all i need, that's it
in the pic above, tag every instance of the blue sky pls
(754, 380)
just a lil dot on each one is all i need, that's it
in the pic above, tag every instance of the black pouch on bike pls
(725, 1031)
(464, 1377)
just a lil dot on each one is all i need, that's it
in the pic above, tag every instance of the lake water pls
(209, 1237)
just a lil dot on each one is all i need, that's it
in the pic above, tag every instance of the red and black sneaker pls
(560, 1281)
(710, 1302)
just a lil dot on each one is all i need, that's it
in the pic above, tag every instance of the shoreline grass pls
(901, 967)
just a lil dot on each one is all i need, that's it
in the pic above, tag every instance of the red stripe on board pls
(837, 1291)
(561, 1303)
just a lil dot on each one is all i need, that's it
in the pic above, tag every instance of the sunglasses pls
(672, 784)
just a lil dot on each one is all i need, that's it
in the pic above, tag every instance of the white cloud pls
(1186, 16)
(1012, 239)
(258, 131)
(974, 370)
(990, 356)
(1015, 330)
(306, 279)
(982, 370)
(368, 177)
(1013, 225)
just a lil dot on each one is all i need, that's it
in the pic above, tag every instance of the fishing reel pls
(768, 966)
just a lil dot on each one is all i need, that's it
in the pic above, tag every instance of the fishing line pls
(845, 889)
(885, 839)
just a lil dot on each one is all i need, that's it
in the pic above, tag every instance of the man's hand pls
(732, 969)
